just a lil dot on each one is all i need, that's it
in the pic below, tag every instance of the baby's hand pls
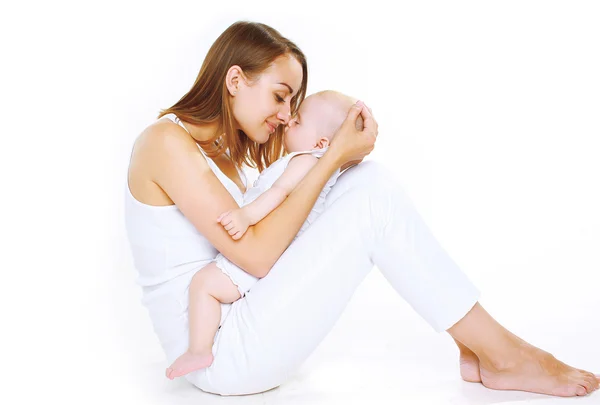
(236, 222)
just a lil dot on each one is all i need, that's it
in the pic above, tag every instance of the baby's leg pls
(209, 288)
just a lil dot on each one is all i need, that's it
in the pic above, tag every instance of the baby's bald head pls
(337, 105)
(319, 117)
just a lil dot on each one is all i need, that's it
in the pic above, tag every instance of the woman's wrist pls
(333, 158)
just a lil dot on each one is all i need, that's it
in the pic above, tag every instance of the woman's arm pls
(185, 176)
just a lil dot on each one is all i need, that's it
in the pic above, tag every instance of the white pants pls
(369, 220)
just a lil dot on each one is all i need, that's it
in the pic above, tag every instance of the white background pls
(488, 114)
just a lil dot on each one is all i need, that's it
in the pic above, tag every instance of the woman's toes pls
(591, 381)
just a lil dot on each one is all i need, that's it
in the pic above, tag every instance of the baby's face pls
(304, 131)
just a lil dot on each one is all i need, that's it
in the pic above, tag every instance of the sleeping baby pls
(307, 137)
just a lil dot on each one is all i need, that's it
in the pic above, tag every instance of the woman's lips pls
(271, 127)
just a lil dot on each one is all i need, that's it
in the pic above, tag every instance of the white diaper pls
(239, 277)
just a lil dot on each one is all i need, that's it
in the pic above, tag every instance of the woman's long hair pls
(252, 47)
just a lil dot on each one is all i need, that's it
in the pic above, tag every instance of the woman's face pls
(259, 107)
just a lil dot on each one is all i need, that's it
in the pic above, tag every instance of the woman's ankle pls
(506, 356)
(494, 345)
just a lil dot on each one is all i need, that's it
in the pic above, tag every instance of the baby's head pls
(319, 117)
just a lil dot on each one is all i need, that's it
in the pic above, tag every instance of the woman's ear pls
(234, 79)
(323, 143)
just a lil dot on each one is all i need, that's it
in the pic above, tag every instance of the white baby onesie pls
(263, 183)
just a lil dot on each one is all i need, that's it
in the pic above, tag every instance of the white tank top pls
(164, 243)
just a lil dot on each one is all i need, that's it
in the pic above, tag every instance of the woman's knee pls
(367, 171)
(370, 174)
(370, 177)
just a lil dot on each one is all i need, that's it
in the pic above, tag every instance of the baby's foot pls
(188, 362)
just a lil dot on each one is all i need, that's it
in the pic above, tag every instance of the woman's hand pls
(350, 144)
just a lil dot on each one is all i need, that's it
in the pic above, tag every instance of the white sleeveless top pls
(163, 242)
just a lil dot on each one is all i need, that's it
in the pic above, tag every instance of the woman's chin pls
(259, 138)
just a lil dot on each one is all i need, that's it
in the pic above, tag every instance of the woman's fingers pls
(366, 111)
(355, 144)
(370, 125)
(354, 112)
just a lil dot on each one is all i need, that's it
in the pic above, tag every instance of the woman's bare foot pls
(507, 362)
(531, 369)
(188, 362)
(469, 364)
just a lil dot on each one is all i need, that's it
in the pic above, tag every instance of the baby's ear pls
(323, 143)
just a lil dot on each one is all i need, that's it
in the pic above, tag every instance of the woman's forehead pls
(286, 72)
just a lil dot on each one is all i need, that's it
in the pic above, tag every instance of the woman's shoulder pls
(163, 143)
(163, 152)
(165, 135)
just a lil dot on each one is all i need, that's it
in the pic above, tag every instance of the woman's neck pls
(203, 133)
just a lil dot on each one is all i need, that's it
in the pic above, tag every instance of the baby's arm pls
(295, 171)
(237, 221)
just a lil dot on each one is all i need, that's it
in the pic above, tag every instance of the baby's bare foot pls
(188, 362)
(534, 370)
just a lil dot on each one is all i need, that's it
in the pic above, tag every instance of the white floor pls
(381, 352)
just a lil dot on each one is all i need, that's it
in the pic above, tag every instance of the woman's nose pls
(284, 117)
(285, 114)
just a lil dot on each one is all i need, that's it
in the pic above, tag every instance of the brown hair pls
(252, 47)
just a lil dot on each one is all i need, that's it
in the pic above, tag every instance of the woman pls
(185, 171)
